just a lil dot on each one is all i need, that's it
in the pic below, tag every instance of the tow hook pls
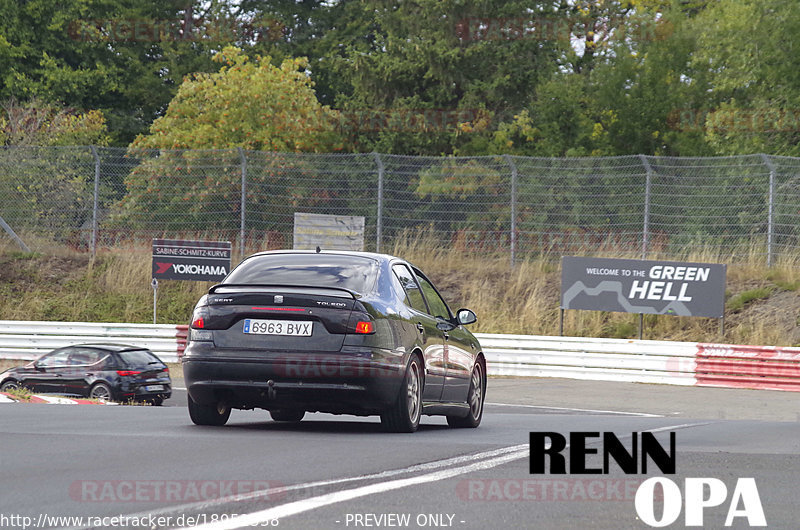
(271, 392)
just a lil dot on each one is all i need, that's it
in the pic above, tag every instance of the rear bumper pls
(141, 393)
(364, 382)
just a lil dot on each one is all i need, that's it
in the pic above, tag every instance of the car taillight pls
(128, 372)
(365, 327)
(166, 369)
(361, 323)
(198, 323)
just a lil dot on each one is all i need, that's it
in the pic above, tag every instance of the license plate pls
(278, 327)
(154, 388)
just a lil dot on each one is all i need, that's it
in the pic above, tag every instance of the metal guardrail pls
(640, 361)
(26, 340)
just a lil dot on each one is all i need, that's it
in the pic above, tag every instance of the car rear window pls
(312, 270)
(134, 358)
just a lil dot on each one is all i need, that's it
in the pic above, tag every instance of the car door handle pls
(420, 327)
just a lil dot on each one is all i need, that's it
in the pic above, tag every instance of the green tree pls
(625, 94)
(248, 104)
(37, 123)
(746, 48)
(45, 185)
(125, 58)
(429, 64)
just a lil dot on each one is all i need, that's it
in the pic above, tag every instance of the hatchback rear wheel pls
(9, 386)
(100, 391)
(216, 414)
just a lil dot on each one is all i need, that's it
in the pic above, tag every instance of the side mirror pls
(465, 316)
(38, 367)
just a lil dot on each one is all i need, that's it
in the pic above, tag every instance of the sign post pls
(154, 285)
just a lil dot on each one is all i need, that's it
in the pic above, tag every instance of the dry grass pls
(526, 299)
(115, 287)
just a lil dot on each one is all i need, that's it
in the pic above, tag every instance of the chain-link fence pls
(90, 198)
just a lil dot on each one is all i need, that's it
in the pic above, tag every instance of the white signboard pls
(328, 232)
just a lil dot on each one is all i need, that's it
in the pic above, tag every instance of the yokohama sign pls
(178, 259)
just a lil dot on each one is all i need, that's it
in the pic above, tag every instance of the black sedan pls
(109, 372)
(339, 332)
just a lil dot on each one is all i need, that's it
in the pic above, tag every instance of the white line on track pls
(279, 491)
(621, 412)
(6, 399)
(294, 508)
(511, 454)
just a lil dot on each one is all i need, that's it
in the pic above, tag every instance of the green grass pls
(739, 301)
(20, 394)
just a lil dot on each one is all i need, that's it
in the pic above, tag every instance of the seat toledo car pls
(338, 332)
(111, 372)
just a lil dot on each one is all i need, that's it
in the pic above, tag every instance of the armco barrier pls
(641, 361)
(27, 340)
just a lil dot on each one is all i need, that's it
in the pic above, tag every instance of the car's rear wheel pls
(404, 415)
(157, 401)
(475, 399)
(216, 414)
(100, 391)
(287, 415)
(8, 386)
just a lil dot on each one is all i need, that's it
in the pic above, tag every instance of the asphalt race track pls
(153, 466)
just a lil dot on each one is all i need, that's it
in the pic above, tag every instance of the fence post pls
(96, 200)
(513, 167)
(646, 228)
(243, 203)
(770, 207)
(5, 226)
(379, 220)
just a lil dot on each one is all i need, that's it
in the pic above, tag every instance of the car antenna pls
(318, 249)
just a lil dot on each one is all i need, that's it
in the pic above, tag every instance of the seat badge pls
(278, 299)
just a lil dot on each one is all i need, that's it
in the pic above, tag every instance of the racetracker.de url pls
(44, 520)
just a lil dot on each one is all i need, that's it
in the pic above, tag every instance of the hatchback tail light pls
(128, 372)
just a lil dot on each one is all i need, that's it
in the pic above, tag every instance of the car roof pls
(108, 346)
